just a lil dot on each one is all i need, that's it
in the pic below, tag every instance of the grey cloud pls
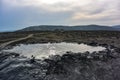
(97, 11)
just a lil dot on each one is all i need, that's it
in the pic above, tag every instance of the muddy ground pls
(104, 65)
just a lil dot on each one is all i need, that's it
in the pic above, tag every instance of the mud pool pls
(45, 50)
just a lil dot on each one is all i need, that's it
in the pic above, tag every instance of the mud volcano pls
(62, 61)
(47, 49)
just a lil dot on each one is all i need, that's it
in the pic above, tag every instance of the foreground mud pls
(104, 65)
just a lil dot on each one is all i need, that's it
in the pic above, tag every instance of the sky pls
(18, 14)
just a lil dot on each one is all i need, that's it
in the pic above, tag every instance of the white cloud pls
(80, 9)
(59, 5)
(53, 5)
(112, 13)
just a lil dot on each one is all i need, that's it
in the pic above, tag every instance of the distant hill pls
(116, 27)
(68, 28)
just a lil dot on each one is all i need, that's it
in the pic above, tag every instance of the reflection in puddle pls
(47, 49)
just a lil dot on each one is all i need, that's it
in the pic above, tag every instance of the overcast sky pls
(17, 14)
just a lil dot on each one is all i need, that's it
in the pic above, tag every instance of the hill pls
(68, 28)
(116, 27)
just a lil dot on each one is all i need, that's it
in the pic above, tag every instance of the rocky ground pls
(103, 65)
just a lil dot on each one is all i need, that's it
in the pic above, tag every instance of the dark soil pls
(103, 65)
